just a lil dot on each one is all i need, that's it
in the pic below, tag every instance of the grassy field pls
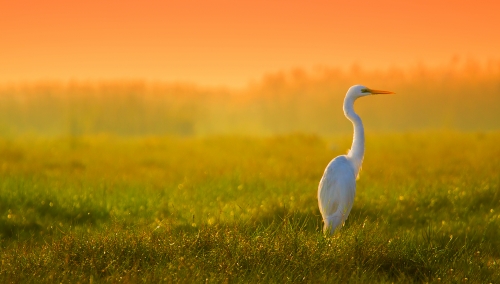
(100, 208)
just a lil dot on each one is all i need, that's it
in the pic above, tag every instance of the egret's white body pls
(338, 185)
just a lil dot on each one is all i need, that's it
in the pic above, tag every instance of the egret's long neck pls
(358, 143)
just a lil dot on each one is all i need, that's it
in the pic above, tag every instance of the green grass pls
(241, 209)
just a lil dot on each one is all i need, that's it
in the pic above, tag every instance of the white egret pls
(338, 185)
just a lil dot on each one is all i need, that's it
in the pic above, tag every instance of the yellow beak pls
(377, 92)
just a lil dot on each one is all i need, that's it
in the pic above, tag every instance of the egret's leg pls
(331, 223)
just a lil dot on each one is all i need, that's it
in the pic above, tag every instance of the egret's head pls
(358, 91)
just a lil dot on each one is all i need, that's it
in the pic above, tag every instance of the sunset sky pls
(227, 42)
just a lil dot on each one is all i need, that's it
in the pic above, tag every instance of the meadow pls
(233, 209)
(127, 183)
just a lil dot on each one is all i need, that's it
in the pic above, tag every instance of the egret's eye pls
(365, 91)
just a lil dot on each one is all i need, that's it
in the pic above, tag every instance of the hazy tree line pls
(463, 95)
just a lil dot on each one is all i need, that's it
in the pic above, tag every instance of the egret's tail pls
(331, 223)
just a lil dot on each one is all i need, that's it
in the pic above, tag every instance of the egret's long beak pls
(380, 92)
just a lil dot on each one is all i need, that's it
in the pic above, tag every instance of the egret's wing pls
(337, 187)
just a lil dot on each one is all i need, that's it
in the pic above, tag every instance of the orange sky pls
(228, 42)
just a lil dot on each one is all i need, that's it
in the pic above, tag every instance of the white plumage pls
(338, 185)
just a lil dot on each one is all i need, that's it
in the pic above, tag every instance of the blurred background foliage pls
(461, 96)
